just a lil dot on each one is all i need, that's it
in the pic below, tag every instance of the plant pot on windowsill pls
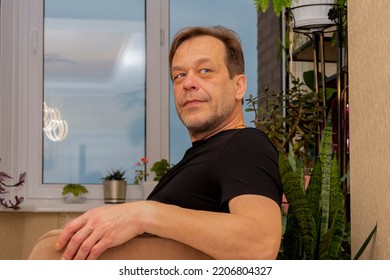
(159, 168)
(72, 199)
(114, 187)
(74, 193)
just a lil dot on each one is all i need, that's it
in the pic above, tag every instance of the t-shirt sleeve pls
(249, 165)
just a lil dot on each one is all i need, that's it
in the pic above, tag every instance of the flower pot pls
(147, 188)
(114, 191)
(70, 198)
(311, 14)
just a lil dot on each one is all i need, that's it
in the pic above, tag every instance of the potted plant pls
(159, 168)
(3, 190)
(140, 171)
(291, 119)
(305, 14)
(114, 187)
(311, 13)
(74, 193)
(315, 224)
(279, 5)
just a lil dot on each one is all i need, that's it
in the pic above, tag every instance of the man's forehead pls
(201, 49)
(202, 40)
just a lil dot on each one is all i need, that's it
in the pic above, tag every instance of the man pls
(224, 197)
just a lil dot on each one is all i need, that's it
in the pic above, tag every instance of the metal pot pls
(114, 191)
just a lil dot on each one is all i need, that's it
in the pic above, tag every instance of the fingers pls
(68, 232)
(89, 235)
(82, 240)
(97, 250)
(83, 246)
(80, 244)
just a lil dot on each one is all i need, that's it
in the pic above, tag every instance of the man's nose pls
(190, 82)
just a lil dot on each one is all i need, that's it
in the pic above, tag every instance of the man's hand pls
(89, 235)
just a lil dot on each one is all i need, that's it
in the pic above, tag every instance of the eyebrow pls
(198, 62)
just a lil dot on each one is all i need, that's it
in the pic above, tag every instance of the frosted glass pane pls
(94, 80)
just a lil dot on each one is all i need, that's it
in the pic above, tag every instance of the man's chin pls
(196, 128)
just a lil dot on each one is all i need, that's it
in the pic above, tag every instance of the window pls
(122, 50)
(94, 88)
(43, 50)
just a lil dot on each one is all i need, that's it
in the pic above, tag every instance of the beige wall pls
(369, 72)
(19, 231)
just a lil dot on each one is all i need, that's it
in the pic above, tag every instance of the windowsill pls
(57, 205)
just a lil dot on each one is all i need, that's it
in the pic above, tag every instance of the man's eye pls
(180, 75)
(205, 71)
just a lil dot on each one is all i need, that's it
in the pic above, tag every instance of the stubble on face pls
(216, 98)
(208, 121)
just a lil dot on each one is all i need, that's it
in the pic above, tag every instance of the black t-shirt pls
(215, 170)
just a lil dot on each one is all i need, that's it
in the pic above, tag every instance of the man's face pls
(206, 98)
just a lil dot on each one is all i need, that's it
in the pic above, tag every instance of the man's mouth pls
(191, 102)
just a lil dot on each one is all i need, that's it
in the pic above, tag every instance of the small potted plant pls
(74, 193)
(140, 176)
(159, 168)
(114, 186)
(140, 171)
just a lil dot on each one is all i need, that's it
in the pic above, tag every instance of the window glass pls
(239, 15)
(94, 88)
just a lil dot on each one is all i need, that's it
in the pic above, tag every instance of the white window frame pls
(21, 77)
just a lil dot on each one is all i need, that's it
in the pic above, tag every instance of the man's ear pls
(240, 81)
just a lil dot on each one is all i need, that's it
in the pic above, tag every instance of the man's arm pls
(252, 230)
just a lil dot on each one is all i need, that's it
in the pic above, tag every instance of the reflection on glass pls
(94, 74)
(54, 126)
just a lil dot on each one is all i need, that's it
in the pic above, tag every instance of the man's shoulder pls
(251, 134)
(237, 140)
(252, 139)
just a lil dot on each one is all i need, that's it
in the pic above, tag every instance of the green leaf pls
(313, 195)
(308, 77)
(326, 159)
(292, 161)
(292, 241)
(298, 205)
(331, 243)
(338, 227)
(261, 4)
(75, 189)
(336, 193)
(366, 242)
(279, 5)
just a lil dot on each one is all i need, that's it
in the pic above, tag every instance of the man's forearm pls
(223, 236)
